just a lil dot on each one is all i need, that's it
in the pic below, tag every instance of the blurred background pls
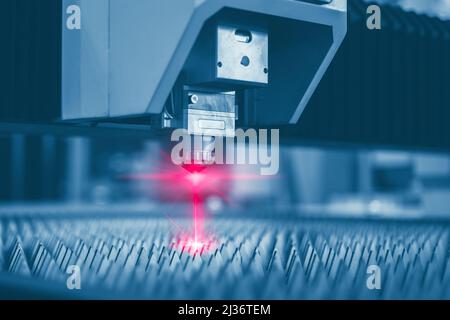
(439, 8)
(312, 179)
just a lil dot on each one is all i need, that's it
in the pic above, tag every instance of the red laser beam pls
(195, 184)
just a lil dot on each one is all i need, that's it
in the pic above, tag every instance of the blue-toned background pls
(364, 180)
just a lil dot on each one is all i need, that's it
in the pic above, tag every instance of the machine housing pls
(129, 60)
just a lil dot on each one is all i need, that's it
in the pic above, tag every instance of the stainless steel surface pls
(242, 57)
(217, 124)
(208, 114)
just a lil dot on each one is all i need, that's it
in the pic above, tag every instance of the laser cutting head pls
(206, 66)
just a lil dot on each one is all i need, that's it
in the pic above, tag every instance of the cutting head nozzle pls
(193, 168)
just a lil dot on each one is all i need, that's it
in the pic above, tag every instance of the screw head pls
(193, 98)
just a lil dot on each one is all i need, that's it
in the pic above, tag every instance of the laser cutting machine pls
(204, 66)
(91, 206)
